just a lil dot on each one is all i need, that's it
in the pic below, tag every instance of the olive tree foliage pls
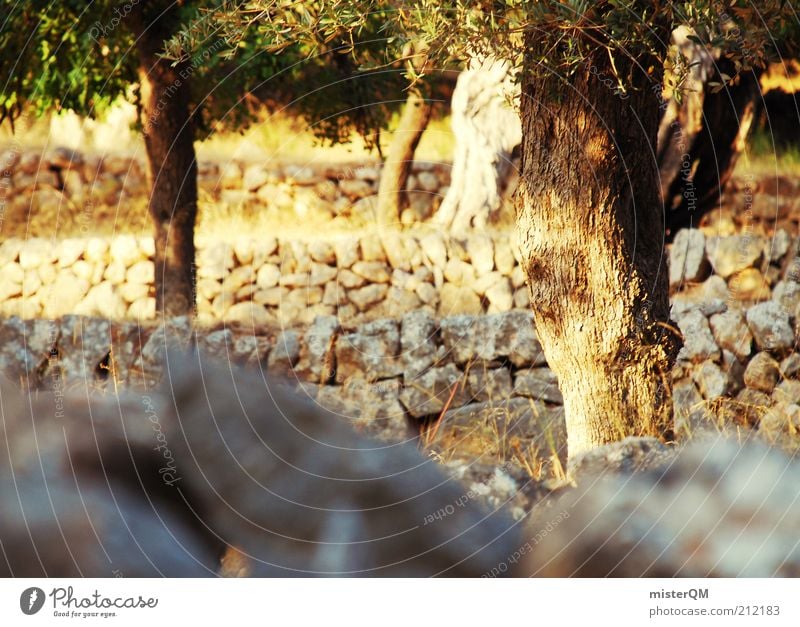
(376, 72)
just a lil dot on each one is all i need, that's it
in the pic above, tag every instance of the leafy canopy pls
(82, 56)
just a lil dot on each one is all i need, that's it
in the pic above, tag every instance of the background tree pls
(487, 130)
(590, 216)
(80, 56)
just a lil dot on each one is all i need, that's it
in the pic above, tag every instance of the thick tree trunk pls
(172, 167)
(701, 138)
(590, 227)
(487, 129)
(392, 197)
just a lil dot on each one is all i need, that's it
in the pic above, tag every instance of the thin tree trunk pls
(590, 227)
(172, 167)
(392, 198)
(487, 129)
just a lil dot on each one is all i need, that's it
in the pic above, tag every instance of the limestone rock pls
(372, 271)
(787, 392)
(711, 380)
(698, 343)
(769, 323)
(481, 252)
(371, 352)
(538, 383)
(494, 337)
(732, 333)
(749, 285)
(489, 385)
(317, 352)
(455, 299)
(247, 313)
(372, 408)
(687, 258)
(731, 254)
(284, 354)
(368, 295)
(762, 373)
(428, 393)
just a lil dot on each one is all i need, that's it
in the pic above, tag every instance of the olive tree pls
(83, 56)
(590, 215)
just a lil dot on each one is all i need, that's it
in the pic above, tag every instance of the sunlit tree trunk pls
(172, 167)
(590, 228)
(392, 198)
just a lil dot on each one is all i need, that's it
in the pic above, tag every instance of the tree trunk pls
(701, 138)
(590, 226)
(172, 167)
(392, 197)
(487, 129)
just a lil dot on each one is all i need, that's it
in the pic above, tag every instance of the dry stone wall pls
(263, 280)
(62, 177)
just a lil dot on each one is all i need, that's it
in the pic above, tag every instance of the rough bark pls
(392, 197)
(701, 138)
(487, 129)
(172, 168)
(590, 228)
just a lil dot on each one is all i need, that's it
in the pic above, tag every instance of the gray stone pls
(285, 354)
(489, 385)
(779, 245)
(475, 427)
(688, 406)
(317, 362)
(429, 392)
(172, 336)
(26, 347)
(623, 457)
(687, 258)
(711, 380)
(787, 295)
(762, 373)
(494, 337)
(372, 408)
(769, 323)
(418, 343)
(729, 255)
(709, 297)
(371, 352)
(83, 344)
(538, 383)
(698, 343)
(732, 333)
